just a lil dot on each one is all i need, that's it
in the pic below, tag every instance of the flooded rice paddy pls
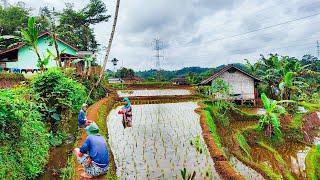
(160, 143)
(154, 92)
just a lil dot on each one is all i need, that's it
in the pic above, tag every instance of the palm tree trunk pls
(57, 48)
(108, 48)
(39, 57)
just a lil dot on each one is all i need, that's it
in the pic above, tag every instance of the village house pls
(22, 58)
(180, 81)
(243, 86)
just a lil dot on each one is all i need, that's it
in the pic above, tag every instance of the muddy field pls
(164, 139)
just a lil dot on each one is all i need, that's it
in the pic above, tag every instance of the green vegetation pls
(281, 163)
(59, 95)
(270, 122)
(21, 123)
(119, 86)
(187, 176)
(74, 26)
(11, 76)
(287, 78)
(313, 163)
(213, 129)
(243, 144)
(101, 122)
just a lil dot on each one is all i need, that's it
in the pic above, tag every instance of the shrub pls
(313, 163)
(60, 94)
(12, 76)
(98, 92)
(20, 155)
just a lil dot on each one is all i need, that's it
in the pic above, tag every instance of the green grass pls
(313, 163)
(278, 157)
(297, 121)
(263, 167)
(69, 171)
(213, 129)
(101, 122)
(310, 106)
(243, 144)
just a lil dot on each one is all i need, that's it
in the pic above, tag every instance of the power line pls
(252, 31)
(157, 47)
(261, 49)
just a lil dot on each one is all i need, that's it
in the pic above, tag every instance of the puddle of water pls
(155, 92)
(158, 145)
(258, 111)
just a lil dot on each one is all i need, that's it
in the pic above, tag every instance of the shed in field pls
(243, 86)
(180, 81)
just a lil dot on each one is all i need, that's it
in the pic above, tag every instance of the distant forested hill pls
(169, 75)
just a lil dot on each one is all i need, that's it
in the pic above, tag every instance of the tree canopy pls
(72, 25)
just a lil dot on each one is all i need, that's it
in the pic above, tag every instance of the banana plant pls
(270, 123)
(88, 60)
(30, 37)
(289, 85)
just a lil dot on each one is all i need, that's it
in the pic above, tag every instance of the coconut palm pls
(110, 42)
(108, 48)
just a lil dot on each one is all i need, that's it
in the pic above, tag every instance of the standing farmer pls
(82, 119)
(126, 112)
(93, 154)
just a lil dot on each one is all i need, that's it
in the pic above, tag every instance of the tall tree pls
(109, 46)
(75, 24)
(12, 19)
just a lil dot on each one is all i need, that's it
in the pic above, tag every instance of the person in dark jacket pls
(93, 154)
(82, 119)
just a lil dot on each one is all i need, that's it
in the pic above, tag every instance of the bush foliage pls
(59, 94)
(20, 123)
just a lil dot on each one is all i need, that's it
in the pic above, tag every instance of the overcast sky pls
(199, 32)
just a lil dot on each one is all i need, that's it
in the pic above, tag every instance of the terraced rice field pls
(164, 139)
(154, 92)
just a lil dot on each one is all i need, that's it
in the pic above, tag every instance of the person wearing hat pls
(126, 112)
(82, 119)
(93, 154)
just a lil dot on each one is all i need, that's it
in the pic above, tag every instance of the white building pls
(243, 86)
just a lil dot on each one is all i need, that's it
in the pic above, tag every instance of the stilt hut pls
(243, 85)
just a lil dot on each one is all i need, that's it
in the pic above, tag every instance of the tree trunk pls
(39, 57)
(108, 48)
(54, 36)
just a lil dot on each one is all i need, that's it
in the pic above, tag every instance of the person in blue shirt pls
(82, 119)
(93, 154)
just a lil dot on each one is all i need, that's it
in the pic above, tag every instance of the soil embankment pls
(98, 113)
(225, 170)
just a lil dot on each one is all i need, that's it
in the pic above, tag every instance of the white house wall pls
(239, 83)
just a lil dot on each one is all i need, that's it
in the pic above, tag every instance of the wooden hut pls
(243, 86)
(180, 81)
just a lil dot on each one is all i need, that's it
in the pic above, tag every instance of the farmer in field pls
(126, 112)
(82, 119)
(93, 154)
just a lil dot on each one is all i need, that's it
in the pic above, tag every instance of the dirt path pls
(93, 114)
